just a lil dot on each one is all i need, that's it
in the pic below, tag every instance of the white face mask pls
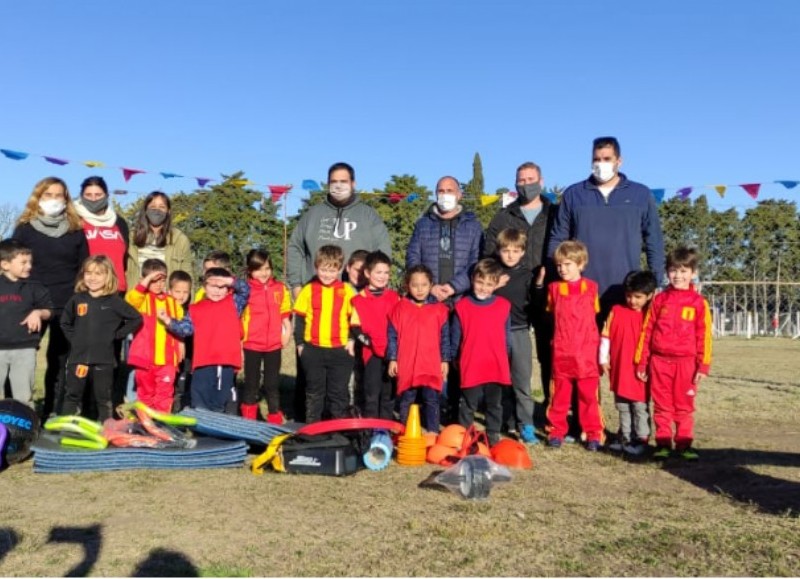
(603, 171)
(340, 191)
(52, 207)
(446, 202)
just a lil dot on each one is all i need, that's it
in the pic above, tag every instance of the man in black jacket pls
(532, 214)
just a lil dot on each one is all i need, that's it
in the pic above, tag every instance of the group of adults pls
(614, 216)
(616, 219)
(62, 233)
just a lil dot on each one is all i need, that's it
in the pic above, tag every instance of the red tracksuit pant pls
(673, 395)
(156, 387)
(591, 418)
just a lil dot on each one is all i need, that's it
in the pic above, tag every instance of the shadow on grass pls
(90, 538)
(728, 471)
(8, 540)
(166, 563)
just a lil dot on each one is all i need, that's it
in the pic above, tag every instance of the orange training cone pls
(413, 424)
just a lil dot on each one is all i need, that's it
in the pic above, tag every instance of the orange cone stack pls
(411, 449)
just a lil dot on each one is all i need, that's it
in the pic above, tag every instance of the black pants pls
(101, 377)
(213, 389)
(378, 399)
(55, 374)
(271, 363)
(327, 373)
(471, 398)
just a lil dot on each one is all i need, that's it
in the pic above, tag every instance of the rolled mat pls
(235, 427)
(380, 451)
(50, 457)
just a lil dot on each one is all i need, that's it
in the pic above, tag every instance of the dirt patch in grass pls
(576, 513)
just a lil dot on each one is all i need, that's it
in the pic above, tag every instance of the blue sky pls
(699, 93)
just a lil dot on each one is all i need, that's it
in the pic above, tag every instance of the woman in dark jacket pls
(51, 228)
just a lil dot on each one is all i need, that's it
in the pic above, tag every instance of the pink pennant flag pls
(720, 189)
(56, 160)
(685, 192)
(202, 182)
(128, 173)
(752, 189)
(278, 191)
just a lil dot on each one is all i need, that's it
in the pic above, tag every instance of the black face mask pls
(156, 216)
(529, 192)
(96, 205)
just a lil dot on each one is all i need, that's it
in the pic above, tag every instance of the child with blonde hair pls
(92, 319)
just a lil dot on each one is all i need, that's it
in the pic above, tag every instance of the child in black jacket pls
(92, 319)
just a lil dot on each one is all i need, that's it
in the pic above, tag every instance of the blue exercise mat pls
(237, 428)
(50, 457)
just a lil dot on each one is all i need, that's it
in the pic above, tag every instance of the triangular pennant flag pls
(14, 155)
(752, 189)
(242, 182)
(396, 197)
(489, 199)
(412, 197)
(685, 192)
(56, 160)
(658, 194)
(721, 190)
(311, 185)
(94, 164)
(128, 173)
(202, 182)
(278, 191)
(552, 197)
(171, 175)
(789, 184)
(120, 192)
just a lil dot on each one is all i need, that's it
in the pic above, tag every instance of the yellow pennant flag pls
(94, 164)
(488, 199)
(243, 182)
(720, 189)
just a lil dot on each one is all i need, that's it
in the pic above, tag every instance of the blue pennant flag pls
(15, 155)
(311, 185)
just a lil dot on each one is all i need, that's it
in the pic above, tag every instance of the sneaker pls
(528, 434)
(569, 439)
(493, 437)
(635, 448)
(554, 442)
(689, 454)
(618, 445)
(662, 453)
(593, 446)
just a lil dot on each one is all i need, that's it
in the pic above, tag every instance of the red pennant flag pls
(752, 189)
(128, 173)
(278, 191)
(396, 197)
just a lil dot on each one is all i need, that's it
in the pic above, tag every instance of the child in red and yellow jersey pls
(370, 323)
(574, 303)
(322, 334)
(617, 347)
(419, 347)
(267, 327)
(155, 352)
(675, 353)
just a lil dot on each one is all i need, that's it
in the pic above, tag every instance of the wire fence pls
(754, 308)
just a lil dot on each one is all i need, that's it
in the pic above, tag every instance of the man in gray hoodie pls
(339, 220)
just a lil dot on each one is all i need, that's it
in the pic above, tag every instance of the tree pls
(230, 217)
(474, 191)
(8, 217)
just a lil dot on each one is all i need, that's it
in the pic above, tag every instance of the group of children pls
(188, 350)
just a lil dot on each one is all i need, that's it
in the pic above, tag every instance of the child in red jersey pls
(617, 348)
(675, 353)
(267, 327)
(574, 304)
(481, 336)
(370, 323)
(419, 347)
(154, 353)
(322, 334)
(214, 322)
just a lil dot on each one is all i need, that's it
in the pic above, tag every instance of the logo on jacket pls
(81, 371)
(688, 314)
(83, 309)
(332, 228)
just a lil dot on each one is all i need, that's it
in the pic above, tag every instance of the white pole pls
(749, 325)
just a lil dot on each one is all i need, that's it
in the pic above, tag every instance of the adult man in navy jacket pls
(614, 217)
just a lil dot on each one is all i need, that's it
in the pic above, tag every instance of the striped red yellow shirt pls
(327, 311)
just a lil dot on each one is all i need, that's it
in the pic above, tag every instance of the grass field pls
(736, 512)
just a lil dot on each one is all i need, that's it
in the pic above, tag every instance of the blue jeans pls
(430, 406)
